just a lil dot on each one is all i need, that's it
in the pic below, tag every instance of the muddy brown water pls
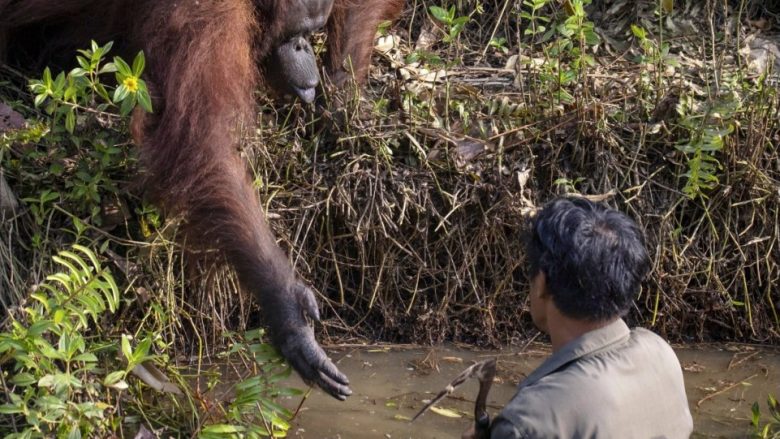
(391, 385)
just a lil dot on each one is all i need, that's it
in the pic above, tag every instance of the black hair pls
(594, 258)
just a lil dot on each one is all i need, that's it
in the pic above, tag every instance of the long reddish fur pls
(351, 29)
(202, 59)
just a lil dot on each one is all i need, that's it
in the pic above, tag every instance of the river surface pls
(391, 385)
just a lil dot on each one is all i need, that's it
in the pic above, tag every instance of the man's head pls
(592, 258)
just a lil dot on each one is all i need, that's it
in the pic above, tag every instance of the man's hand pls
(479, 429)
(469, 434)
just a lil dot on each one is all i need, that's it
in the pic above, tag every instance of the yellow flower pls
(131, 83)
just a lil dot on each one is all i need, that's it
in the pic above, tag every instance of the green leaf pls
(108, 68)
(264, 352)
(37, 87)
(142, 350)
(460, 21)
(47, 78)
(113, 378)
(288, 391)
(120, 93)
(120, 385)
(11, 409)
(144, 99)
(127, 105)
(59, 84)
(48, 350)
(440, 14)
(254, 334)
(46, 381)
(70, 95)
(223, 429)
(39, 99)
(70, 120)
(101, 90)
(592, 38)
(85, 269)
(122, 68)
(83, 62)
(638, 32)
(283, 375)
(23, 379)
(75, 432)
(756, 414)
(139, 63)
(38, 328)
(773, 407)
(73, 270)
(77, 72)
(87, 357)
(127, 351)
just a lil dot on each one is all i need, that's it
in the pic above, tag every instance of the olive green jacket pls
(609, 383)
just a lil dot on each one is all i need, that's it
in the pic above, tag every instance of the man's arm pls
(500, 428)
(485, 433)
(503, 429)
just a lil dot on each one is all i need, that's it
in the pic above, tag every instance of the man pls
(603, 380)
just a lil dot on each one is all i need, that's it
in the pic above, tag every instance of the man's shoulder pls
(588, 393)
(648, 336)
(651, 344)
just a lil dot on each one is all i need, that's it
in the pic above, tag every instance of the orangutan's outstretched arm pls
(202, 70)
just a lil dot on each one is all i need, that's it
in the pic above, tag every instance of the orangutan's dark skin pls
(295, 69)
(204, 59)
(290, 66)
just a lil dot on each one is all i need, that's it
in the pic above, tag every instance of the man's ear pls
(544, 292)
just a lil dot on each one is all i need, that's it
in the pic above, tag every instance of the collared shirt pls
(609, 383)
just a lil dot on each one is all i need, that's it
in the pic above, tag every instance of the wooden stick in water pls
(484, 371)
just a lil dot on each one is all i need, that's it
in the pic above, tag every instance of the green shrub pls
(57, 383)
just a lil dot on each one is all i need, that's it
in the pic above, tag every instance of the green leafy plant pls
(568, 186)
(499, 43)
(536, 23)
(770, 430)
(655, 57)
(652, 52)
(81, 89)
(453, 24)
(132, 89)
(578, 34)
(82, 141)
(253, 413)
(567, 47)
(56, 384)
(424, 57)
(66, 378)
(706, 135)
(41, 206)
